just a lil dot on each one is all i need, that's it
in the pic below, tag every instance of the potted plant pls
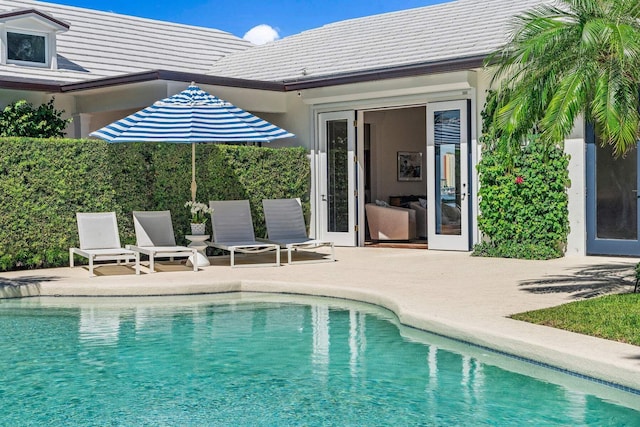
(199, 212)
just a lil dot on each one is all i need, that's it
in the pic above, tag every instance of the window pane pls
(26, 47)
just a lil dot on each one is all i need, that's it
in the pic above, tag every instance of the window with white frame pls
(28, 38)
(27, 48)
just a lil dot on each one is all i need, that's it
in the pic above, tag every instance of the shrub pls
(21, 118)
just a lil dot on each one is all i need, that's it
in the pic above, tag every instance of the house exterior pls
(387, 105)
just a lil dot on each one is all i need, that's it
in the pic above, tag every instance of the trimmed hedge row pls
(44, 182)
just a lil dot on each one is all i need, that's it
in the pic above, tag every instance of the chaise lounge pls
(232, 226)
(155, 238)
(100, 240)
(286, 227)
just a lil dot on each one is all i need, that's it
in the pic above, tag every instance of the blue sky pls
(287, 17)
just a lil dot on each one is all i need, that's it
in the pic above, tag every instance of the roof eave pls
(173, 76)
(34, 85)
(435, 67)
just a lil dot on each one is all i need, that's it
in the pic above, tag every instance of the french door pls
(612, 200)
(448, 189)
(337, 178)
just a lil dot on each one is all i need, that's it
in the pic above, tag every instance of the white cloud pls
(261, 34)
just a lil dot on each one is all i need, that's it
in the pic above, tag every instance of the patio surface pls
(449, 293)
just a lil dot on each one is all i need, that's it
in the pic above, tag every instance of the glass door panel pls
(447, 183)
(447, 166)
(616, 195)
(337, 178)
(612, 200)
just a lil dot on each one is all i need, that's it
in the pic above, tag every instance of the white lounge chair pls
(155, 238)
(233, 230)
(100, 241)
(286, 227)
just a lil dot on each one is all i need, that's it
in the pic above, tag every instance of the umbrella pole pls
(194, 186)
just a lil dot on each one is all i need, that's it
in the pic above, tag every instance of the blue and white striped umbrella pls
(191, 116)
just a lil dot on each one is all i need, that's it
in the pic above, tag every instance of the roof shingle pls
(102, 44)
(453, 30)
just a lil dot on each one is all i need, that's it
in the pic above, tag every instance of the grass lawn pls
(614, 317)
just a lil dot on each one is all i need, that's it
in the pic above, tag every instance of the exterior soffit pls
(459, 81)
(139, 95)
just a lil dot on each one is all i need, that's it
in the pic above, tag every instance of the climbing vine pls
(523, 195)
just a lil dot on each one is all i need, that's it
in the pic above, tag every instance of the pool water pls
(247, 360)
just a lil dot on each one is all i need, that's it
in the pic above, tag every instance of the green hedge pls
(228, 172)
(44, 182)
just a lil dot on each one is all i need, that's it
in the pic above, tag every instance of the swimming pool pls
(250, 359)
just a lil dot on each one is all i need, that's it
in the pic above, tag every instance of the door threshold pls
(417, 244)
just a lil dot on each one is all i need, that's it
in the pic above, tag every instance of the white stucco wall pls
(8, 96)
(102, 106)
(575, 146)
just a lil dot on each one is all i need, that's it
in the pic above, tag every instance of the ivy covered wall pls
(523, 195)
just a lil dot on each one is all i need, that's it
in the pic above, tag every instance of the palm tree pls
(568, 58)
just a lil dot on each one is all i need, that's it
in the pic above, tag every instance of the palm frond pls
(567, 103)
(579, 56)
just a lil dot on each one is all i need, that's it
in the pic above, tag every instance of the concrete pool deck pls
(449, 293)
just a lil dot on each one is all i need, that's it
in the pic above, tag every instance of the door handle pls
(323, 197)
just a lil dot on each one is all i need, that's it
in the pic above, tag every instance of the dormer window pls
(28, 38)
(26, 48)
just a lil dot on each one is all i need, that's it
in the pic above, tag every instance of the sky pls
(259, 20)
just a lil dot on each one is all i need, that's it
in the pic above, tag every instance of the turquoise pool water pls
(250, 360)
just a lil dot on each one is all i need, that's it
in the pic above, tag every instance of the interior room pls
(395, 176)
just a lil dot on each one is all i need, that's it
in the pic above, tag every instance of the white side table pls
(198, 242)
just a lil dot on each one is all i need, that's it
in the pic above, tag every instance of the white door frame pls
(437, 237)
(347, 235)
(361, 107)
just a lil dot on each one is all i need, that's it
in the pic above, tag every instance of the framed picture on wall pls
(409, 166)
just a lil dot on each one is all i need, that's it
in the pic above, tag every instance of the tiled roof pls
(453, 30)
(102, 44)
